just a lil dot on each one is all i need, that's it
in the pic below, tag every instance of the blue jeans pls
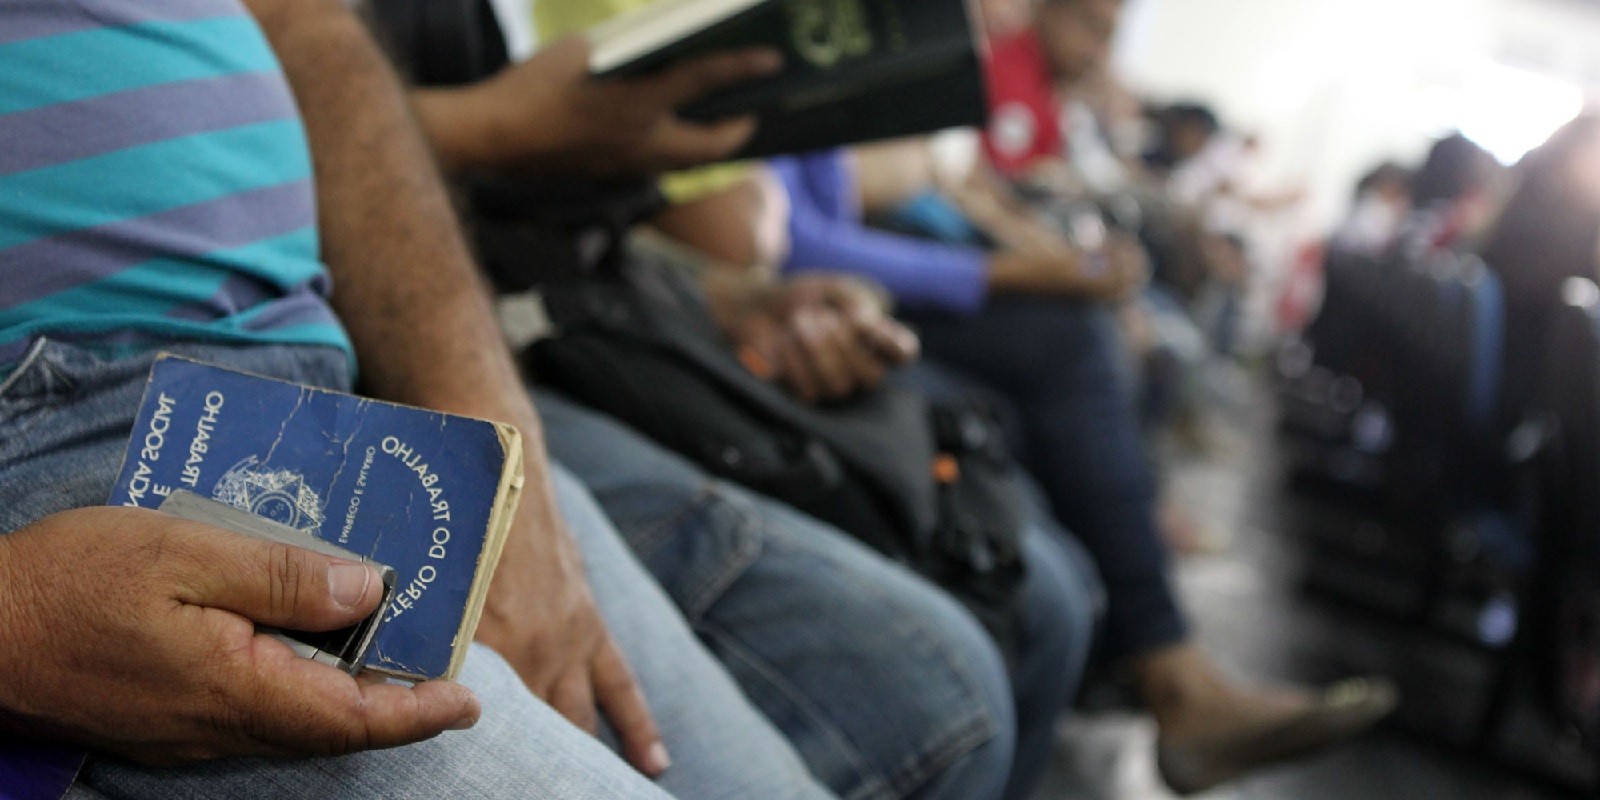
(886, 687)
(64, 423)
(881, 681)
(1059, 364)
(1058, 609)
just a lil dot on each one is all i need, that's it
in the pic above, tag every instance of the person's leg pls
(64, 423)
(520, 748)
(1059, 363)
(1059, 604)
(1058, 607)
(722, 748)
(885, 686)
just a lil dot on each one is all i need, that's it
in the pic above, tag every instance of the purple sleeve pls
(826, 235)
(36, 772)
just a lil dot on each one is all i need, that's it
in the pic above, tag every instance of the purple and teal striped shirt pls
(155, 187)
(155, 181)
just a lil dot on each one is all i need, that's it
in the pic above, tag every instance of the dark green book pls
(854, 70)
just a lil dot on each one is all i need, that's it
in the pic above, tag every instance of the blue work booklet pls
(430, 494)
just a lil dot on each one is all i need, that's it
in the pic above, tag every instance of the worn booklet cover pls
(429, 494)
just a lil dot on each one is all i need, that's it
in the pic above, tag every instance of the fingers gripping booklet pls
(431, 495)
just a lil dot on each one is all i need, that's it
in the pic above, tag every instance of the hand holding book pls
(158, 660)
(549, 115)
(854, 70)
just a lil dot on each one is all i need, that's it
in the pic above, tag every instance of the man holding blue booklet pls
(157, 194)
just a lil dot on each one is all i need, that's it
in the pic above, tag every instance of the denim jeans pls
(1059, 365)
(885, 686)
(1058, 609)
(64, 423)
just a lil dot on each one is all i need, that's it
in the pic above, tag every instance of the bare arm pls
(548, 115)
(409, 293)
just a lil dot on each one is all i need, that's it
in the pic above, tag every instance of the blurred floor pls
(1251, 615)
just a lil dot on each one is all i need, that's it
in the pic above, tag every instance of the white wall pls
(1333, 86)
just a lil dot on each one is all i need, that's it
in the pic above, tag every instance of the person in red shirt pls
(1067, 42)
(1024, 126)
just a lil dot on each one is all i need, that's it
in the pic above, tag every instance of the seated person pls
(1454, 197)
(159, 195)
(1382, 202)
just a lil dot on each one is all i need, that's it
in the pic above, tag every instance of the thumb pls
(275, 584)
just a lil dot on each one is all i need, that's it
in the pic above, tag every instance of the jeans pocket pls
(30, 394)
(696, 544)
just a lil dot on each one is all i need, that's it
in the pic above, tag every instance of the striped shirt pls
(155, 181)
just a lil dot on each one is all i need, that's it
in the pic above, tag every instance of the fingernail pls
(466, 721)
(657, 760)
(347, 582)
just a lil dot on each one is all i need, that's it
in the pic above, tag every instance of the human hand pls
(133, 632)
(541, 617)
(825, 337)
(1034, 237)
(548, 114)
(1112, 273)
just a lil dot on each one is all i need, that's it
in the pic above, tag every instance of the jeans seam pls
(959, 739)
(962, 735)
(932, 756)
(748, 544)
(651, 536)
(35, 354)
(935, 755)
(746, 548)
(30, 411)
(730, 647)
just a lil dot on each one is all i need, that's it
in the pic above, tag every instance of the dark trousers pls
(1058, 365)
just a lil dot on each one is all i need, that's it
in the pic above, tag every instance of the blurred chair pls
(1393, 398)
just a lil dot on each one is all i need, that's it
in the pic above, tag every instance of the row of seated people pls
(1448, 380)
(993, 302)
(246, 183)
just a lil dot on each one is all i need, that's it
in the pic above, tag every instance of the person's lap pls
(64, 421)
(885, 686)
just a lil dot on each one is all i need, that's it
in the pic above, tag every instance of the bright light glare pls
(1510, 111)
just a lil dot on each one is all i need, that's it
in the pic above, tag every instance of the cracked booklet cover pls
(429, 494)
